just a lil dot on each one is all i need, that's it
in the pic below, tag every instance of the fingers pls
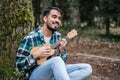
(46, 51)
(63, 42)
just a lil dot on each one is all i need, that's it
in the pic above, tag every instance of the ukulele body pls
(44, 58)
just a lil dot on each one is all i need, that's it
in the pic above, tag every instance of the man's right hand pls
(38, 52)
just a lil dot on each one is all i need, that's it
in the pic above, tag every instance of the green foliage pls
(6, 72)
(86, 9)
(17, 13)
(109, 8)
(19, 74)
(65, 9)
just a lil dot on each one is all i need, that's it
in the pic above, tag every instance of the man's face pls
(53, 20)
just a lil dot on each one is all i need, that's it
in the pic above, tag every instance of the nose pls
(58, 20)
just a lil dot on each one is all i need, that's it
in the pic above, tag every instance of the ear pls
(45, 18)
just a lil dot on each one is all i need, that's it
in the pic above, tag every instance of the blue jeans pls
(56, 69)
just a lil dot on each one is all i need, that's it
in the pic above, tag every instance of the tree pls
(109, 9)
(86, 11)
(16, 20)
(36, 11)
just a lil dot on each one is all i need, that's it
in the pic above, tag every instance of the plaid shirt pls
(24, 60)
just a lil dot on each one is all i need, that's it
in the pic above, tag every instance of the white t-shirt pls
(47, 39)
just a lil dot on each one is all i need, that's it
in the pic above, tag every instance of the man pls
(54, 68)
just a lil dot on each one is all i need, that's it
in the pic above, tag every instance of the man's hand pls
(42, 52)
(63, 43)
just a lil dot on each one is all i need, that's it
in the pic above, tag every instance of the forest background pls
(97, 23)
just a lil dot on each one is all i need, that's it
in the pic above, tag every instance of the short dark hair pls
(47, 10)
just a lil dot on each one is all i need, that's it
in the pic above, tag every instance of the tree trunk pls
(37, 11)
(17, 21)
(53, 3)
(107, 23)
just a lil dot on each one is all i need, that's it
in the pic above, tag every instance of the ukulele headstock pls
(72, 34)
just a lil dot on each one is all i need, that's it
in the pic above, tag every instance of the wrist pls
(35, 55)
(61, 50)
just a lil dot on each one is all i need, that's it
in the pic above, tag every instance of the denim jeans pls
(56, 69)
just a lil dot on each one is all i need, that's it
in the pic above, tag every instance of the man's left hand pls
(63, 43)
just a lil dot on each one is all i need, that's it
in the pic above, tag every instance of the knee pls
(57, 62)
(88, 68)
(57, 59)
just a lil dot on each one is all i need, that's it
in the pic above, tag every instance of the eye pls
(54, 16)
(60, 18)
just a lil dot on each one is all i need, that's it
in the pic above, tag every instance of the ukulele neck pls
(58, 43)
(70, 35)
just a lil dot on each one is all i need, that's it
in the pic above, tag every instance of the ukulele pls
(42, 59)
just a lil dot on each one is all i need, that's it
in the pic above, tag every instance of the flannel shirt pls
(24, 59)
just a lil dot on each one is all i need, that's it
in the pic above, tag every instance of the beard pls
(52, 29)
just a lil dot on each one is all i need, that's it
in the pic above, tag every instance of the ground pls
(97, 48)
(104, 58)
